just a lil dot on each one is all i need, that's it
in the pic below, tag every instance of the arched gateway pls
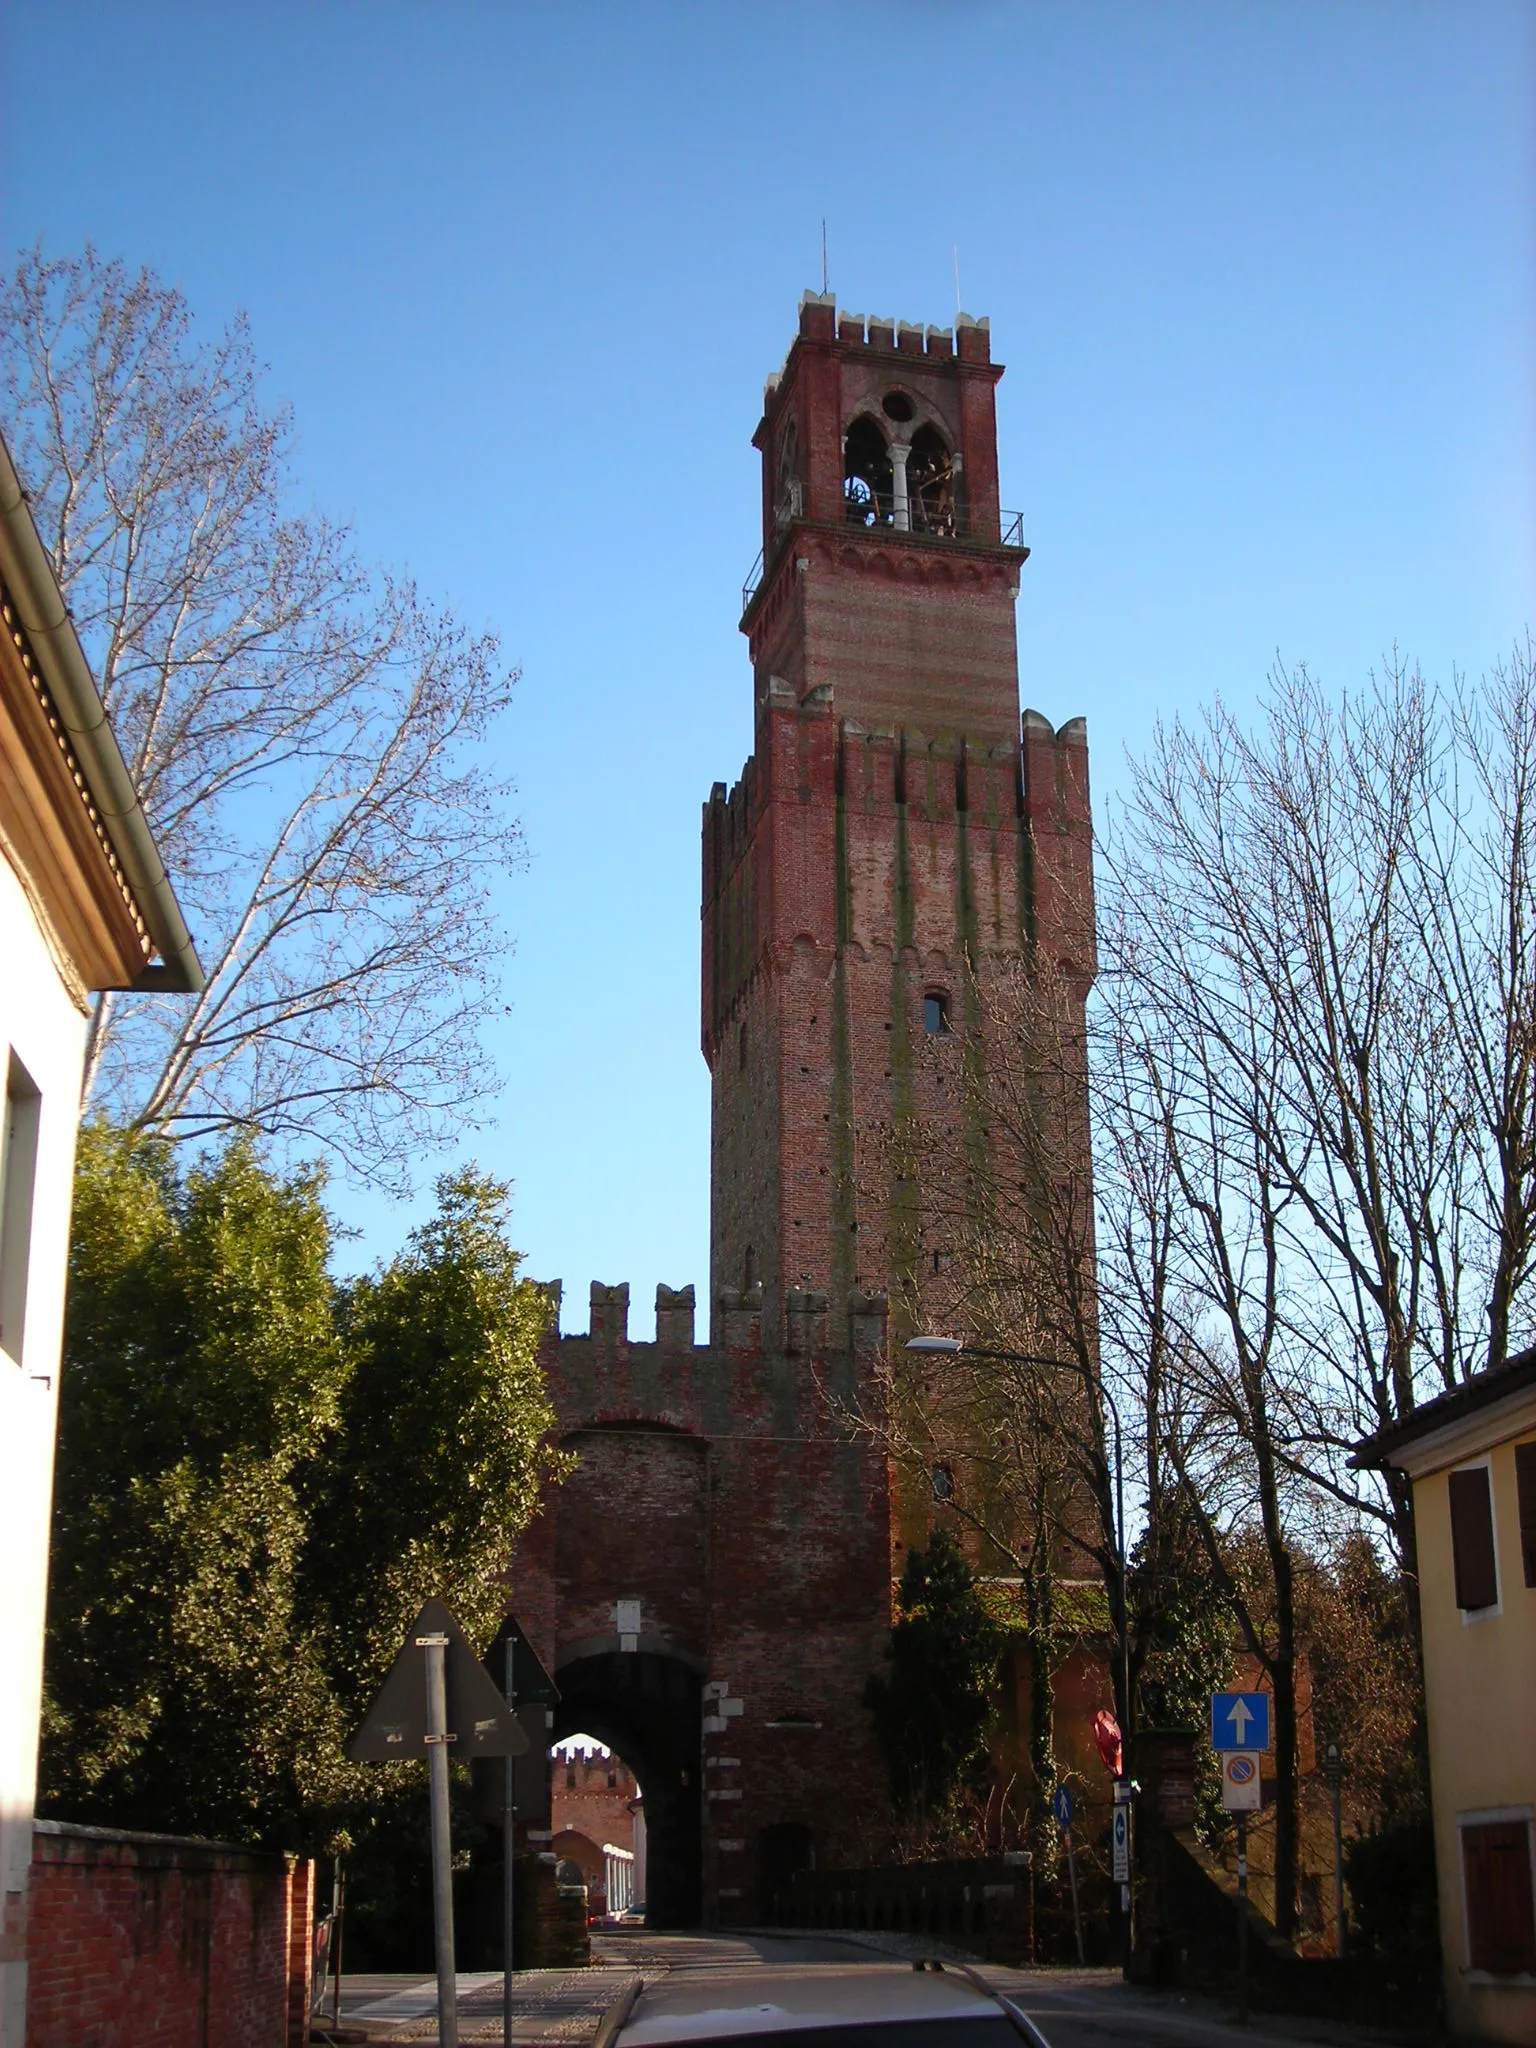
(712, 1587)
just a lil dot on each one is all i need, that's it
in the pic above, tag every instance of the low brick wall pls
(983, 1906)
(134, 1941)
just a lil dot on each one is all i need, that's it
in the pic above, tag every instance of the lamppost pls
(952, 1347)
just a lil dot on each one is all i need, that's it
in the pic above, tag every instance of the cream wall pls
(40, 1021)
(1480, 1684)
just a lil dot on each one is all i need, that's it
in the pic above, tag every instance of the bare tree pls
(1313, 1192)
(1475, 873)
(1316, 1013)
(1224, 1364)
(308, 738)
(1338, 912)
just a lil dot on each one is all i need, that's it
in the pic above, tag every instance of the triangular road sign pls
(395, 1725)
(534, 1686)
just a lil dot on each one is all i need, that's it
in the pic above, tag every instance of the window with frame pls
(18, 1179)
(1474, 1558)
(1501, 1914)
(936, 1013)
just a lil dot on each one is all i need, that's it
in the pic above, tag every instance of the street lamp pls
(953, 1347)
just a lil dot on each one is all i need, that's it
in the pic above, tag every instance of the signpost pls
(1239, 1735)
(1063, 1807)
(426, 1702)
(1240, 1720)
(527, 1681)
(1120, 1842)
(438, 1737)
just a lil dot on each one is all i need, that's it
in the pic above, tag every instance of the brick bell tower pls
(898, 832)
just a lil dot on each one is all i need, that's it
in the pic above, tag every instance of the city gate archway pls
(710, 1587)
(645, 1706)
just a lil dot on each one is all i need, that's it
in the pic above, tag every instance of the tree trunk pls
(1286, 1788)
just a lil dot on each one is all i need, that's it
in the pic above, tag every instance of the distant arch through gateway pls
(648, 1707)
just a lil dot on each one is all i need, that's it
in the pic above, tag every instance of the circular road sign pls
(1242, 1770)
(1062, 1805)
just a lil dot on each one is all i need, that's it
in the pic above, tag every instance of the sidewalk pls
(549, 2006)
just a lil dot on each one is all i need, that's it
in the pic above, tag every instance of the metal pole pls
(1335, 1779)
(508, 1846)
(338, 1908)
(1122, 1574)
(1127, 1895)
(1077, 1912)
(1242, 1917)
(438, 1740)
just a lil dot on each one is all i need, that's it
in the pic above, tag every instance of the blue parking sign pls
(1061, 1805)
(1240, 1720)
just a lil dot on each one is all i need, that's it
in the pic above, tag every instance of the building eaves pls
(44, 617)
(1384, 1449)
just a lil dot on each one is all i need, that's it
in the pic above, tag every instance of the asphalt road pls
(561, 2008)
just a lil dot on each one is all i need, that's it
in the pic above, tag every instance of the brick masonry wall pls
(719, 1493)
(134, 1941)
(591, 1805)
(847, 875)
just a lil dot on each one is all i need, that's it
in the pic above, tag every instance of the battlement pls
(579, 1770)
(741, 1313)
(968, 343)
(969, 340)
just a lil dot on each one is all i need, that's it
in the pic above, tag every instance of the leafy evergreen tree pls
(260, 1475)
(931, 1713)
(202, 1371)
(440, 1450)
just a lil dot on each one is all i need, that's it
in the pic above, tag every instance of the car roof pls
(695, 2004)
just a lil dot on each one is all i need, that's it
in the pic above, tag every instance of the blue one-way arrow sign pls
(1240, 1720)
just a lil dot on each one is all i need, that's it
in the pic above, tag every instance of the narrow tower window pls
(931, 484)
(787, 498)
(867, 481)
(936, 1013)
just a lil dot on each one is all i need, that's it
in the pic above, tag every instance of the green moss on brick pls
(844, 1213)
(973, 1053)
(1024, 849)
(903, 1223)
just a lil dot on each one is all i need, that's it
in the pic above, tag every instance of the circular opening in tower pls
(897, 406)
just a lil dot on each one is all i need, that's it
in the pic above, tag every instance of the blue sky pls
(1262, 275)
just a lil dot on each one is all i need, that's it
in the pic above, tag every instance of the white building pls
(84, 905)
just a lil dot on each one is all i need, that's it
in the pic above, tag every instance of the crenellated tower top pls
(879, 447)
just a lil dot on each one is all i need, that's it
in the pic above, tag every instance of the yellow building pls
(1471, 1457)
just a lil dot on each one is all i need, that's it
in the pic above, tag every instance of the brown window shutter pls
(1525, 1490)
(1477, 1576)
(1501, 1923)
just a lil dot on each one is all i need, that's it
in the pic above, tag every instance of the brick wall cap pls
(94, 1844)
